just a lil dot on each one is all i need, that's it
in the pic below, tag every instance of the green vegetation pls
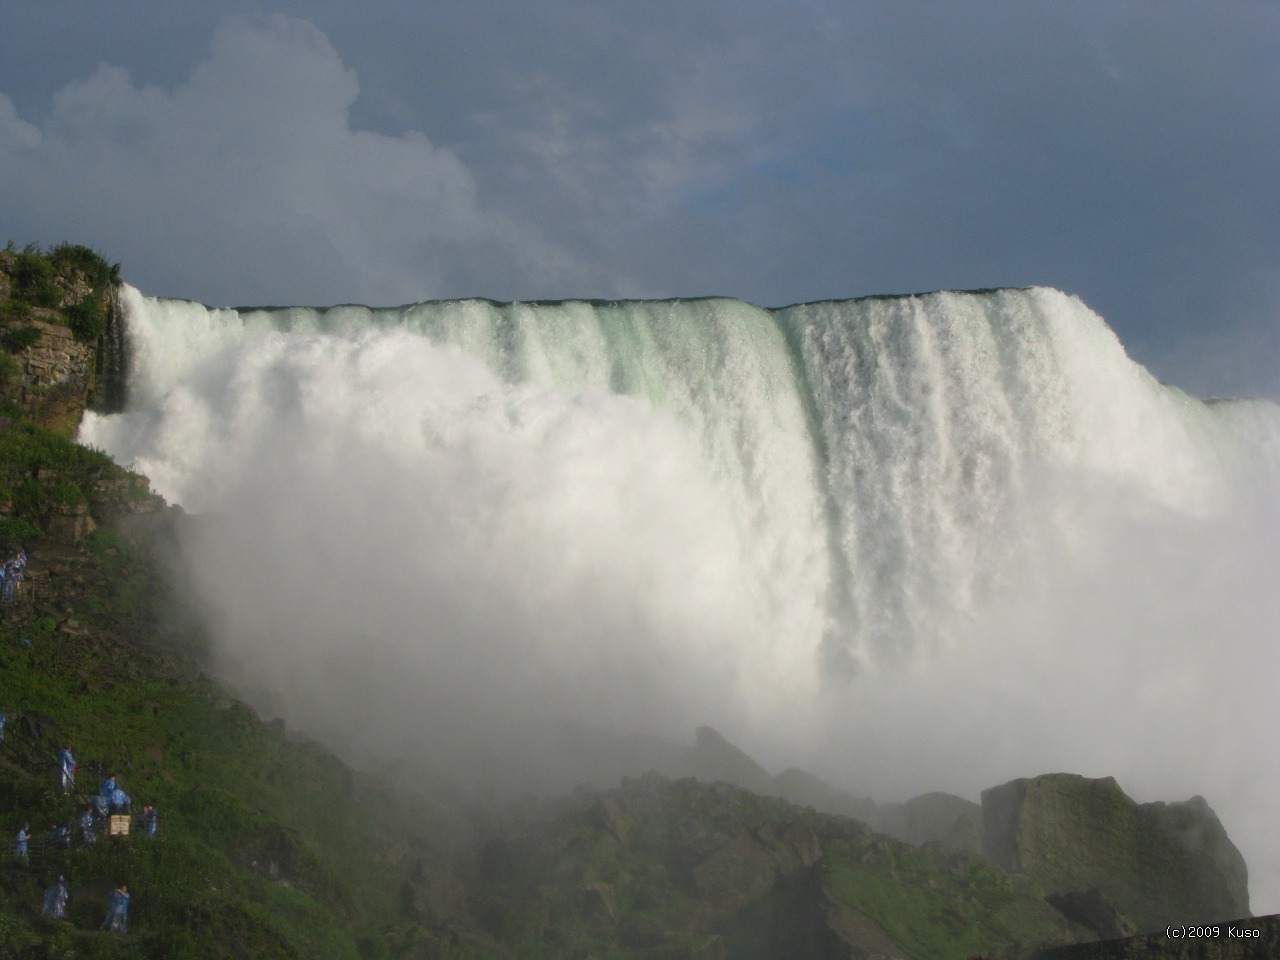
(43, 474)
(263, 841)
(9, 369)
(267, 847)
(34, 279)
(22, 338)
(934, 905)
(72, 284)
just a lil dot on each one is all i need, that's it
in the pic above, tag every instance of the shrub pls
(17, 530)
(33, 280)
(87, 319)
(41, 279)
(15, 310)
(71, 257)
(9, 369)
(21, 338)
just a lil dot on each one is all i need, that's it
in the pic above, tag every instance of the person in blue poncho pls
(1, 725)
(149, 820)
(118, 911)
(16, 569)
(88, 832)
(101, 806)
(119, 801)
(67, 767)
(24, 836)
(55, 901)
(108, 786)
(60, 835)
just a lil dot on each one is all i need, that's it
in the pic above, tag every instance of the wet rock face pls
(61, 337)
(72, 525)
(54, 375)
(1155, 863)
(57, 358)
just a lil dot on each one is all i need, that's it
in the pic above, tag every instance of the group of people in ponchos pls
(12, 573)
(110, 800)
(117, 919)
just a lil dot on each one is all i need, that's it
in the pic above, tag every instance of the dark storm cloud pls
(1123, 152)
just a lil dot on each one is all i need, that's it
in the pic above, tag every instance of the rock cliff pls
(61, 339)
(1084, 841)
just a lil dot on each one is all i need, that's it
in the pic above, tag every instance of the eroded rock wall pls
(1156, 863)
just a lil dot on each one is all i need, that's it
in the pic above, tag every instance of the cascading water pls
(916, 543)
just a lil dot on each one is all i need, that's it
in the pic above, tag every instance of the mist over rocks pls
(715, 758)
(709, 871)
(1101, 860)
(692, 869)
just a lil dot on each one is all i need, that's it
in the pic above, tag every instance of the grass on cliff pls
(264, 842)
(253, 827)
(270, 847)
(43, 473)
(936, 904)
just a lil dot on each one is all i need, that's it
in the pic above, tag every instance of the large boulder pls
(1156, 863)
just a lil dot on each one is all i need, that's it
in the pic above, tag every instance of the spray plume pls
(916, 543)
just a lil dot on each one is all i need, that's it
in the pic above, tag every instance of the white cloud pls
(250, 173)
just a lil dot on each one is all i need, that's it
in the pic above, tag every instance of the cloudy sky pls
(322, 152)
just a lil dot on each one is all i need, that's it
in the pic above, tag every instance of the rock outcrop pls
(60, 336)
(1086, 842)
(55, 375)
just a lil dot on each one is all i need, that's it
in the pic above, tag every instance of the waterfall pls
(917, 542)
